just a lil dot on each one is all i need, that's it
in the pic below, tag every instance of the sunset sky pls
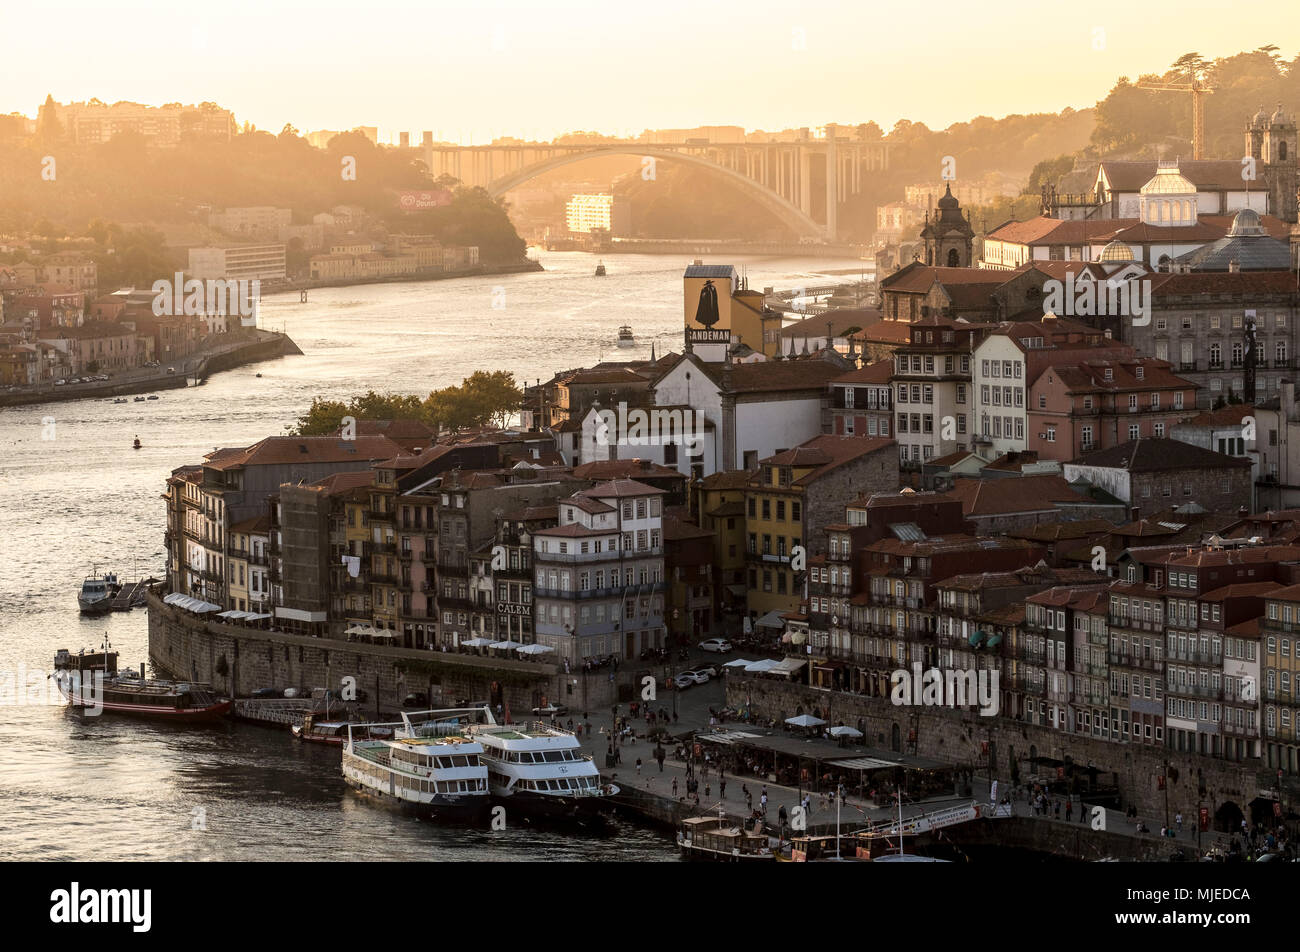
(475, 70)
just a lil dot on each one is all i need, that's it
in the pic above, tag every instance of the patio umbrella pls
(843, 731)
(805, 720)
(534, 649)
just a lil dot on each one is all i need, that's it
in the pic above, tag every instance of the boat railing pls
(543, 727)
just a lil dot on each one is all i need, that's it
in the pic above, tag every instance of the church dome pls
(948, 201)
(1280, 117)
(1261, 117)
(1168, 181)
(1117, 251)
(1246, 223)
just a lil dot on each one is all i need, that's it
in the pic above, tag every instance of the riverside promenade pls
(855, 812)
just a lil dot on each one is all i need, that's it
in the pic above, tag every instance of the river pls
(73, 495)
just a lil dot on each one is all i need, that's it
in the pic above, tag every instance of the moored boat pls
(600, 269)
(541, 770)
(92, 684)
(97, 593)
(320, 731)
(626, 337)
(722, 839)
(429, 767)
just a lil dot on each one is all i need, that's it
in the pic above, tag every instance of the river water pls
(73, 495)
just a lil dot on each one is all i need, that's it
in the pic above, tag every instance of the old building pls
(862, 401)
(1150, 474)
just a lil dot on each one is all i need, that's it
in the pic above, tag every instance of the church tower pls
(949, 238)
(1277, 158)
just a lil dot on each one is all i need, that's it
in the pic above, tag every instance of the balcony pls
(1212, 658)
(1187, 365)
(1133, 661)
(388, 547)
(383, 578)
(612, 556)
(1216, 365)
(1088, 447)
(380, 515)
(1138, 624)
(1195, 690)
(1233, 729)
(405, 555)
(1277, 697)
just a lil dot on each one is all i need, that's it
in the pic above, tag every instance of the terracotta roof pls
(889, 332)
(679, 530)
(343, 482)
(1089, 376)
(987, 497)
(1129, 175)
(878, 372)
(286, 450)
(254, 525)
(613, 375)
(588, 505)
(1223, 282)
(825, 453)
(1241, 590)
(1160, 455)
(919, 279)
(1224, 416)
(841, 322)
(1058, 531)
(774, 375)
(620, 488)
(727, 479)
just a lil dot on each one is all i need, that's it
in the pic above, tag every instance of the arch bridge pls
(779, 175)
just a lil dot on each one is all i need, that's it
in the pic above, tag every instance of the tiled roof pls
(841, 323)
(619, 488)
(1160, 455)
(1223, 282)
(878, 372)
(1088, 376)
(1224, 416)
(1129, 175)
(825, 453)
(989, 497)
(284, 450)
(727, 479)
(606, 469)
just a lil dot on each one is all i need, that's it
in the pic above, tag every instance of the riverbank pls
(263, 345)
(482, 270)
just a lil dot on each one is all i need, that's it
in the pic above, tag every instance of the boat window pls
(552, 756)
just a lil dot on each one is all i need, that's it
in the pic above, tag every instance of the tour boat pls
(625, 337)
(721, 839)
(136, 444)
(432, 767)
(600, 269)
(540, 769)
(97, 593)
(91, 683)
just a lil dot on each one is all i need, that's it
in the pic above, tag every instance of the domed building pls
(1246, 247)
(1116, 252)
(948, 236)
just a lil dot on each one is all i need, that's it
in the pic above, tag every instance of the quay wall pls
(994, 744)
(238, 660)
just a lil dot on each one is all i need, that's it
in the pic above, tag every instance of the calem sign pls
(412, 201)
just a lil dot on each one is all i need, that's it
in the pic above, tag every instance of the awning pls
(805, 720)
(767, 664)
(864, 763)
(505, 644)
(234, 615)
(845, 731)
(738, 663)
(534, 649)
(772, 619)
(476, 642)
(726, 737)
(788, 666)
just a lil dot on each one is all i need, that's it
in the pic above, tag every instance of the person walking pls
(1056, 809)
(1069, 809)
(722, 788)
(674, 788)
(638, 766)
(1178, 821)
(762, 801)
(618, 755)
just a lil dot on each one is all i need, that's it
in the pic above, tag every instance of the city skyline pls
(480, 86)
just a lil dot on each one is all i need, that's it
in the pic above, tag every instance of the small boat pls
(625, 336)
(600, 269)
(121, 400)
(722, 839)
(319, 731)
(97, 593)
(92, 685)
(152, 396)
(136, 444)
(259, 375)
(139, 399)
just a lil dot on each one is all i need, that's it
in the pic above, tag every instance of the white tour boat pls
(540, 769)
(428, 765)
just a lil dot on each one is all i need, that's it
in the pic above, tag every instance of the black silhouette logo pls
(707, 311)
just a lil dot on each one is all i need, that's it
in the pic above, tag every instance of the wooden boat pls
(92, 685)
(721, 839)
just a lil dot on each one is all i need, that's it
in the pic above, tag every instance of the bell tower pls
(1277, 158)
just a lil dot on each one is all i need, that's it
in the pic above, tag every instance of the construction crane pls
(1199, 90)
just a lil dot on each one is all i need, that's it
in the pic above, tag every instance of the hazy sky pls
(478, 68)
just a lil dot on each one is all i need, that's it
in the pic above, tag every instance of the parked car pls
(685, 681)
(706, 669)
(59, 383)
(559, 710)
(719, 645)
(700, 677)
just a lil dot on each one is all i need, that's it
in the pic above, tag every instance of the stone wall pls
(959, 737)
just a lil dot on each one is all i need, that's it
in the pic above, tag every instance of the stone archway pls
(1228, 817)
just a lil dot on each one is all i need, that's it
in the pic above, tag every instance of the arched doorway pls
(895, 738)
(954, 259)
(1228, 817)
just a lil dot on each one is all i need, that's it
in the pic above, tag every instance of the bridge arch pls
(789, 213)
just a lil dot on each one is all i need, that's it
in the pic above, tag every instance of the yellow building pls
(719, 311)
(774, 527)
(1279, 689)
(248, 585)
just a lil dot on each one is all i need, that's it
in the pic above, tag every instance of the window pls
(1051, 434)
(961, 393)
(1134, 431)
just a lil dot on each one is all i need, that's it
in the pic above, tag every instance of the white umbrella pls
(738, 663)
(805, 720)
(534, 649)
(476, 642)
(505, 644)
(844, 731)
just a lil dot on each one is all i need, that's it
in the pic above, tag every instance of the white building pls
(235, 262)
(599, 575)
(999, 386)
